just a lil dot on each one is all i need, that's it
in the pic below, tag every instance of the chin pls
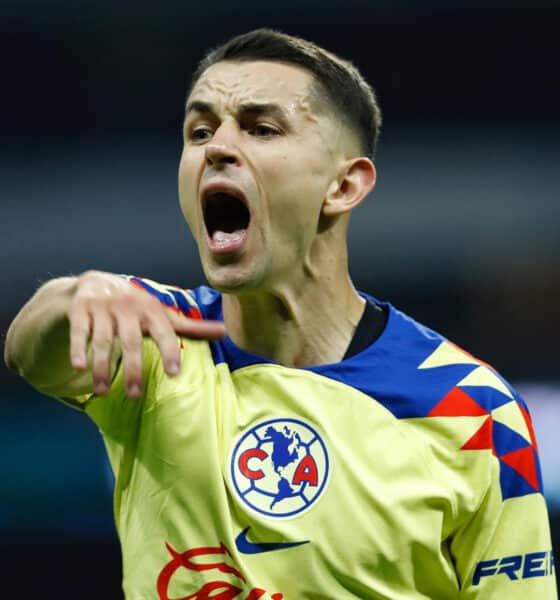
(235, 273)
(231, 279)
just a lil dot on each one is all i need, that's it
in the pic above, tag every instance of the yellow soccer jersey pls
(408, 471)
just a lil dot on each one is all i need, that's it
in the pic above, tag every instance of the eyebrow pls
(199, 107)
(254, 109)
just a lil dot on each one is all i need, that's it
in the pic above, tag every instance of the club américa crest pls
(279, 468)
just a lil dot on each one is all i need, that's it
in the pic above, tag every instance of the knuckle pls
(102, 329)
(101, 366)
(76, 310)
(125, 297)
(88, 274)
(98, 287)
(169, 348)
(129, 294)
(79, 329)
(173, 319)
(91, 298)
(130, 343)
(166, 339)
(133, 375)
(150, 302)
(159, 330)
(87, 279)
(102, 343)
(133, 365)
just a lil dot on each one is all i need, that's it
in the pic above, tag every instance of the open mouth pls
(227, 219)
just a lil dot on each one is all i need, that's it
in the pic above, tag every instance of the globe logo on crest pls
(279, 468)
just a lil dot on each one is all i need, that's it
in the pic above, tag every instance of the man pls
(328, 446)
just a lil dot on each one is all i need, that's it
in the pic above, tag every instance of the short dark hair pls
(352, 99)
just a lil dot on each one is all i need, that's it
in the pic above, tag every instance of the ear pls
(348, 191)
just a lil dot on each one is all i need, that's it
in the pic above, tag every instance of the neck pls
(307, 321)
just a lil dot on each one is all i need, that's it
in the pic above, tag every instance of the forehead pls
(236, 82)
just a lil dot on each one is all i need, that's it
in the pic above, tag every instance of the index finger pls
(198, 329)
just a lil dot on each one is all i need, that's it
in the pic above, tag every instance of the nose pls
(221, 150)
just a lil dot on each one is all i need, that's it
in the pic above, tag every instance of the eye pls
(200, 134)
(262, 130)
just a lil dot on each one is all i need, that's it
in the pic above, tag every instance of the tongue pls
(224, 238)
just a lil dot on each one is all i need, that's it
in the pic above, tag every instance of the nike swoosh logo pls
(246, 547)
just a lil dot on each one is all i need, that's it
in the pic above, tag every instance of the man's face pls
(258, 158)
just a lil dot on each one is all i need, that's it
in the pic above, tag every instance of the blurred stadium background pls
(463, 230)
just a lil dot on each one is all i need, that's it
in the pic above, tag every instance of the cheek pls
(297, 187)
(187, 189)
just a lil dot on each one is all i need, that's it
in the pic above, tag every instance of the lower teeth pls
(221, 237)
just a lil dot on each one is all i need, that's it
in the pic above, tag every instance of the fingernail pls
(173, 368)
(101, 387)
(78, 361)
(134, 390)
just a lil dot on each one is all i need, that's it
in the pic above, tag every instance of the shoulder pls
(431, 374)
(195, 303)
(465, 408)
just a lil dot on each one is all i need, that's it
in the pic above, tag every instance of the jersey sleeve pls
(503, 549)
(118, 417)
(171, 296)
